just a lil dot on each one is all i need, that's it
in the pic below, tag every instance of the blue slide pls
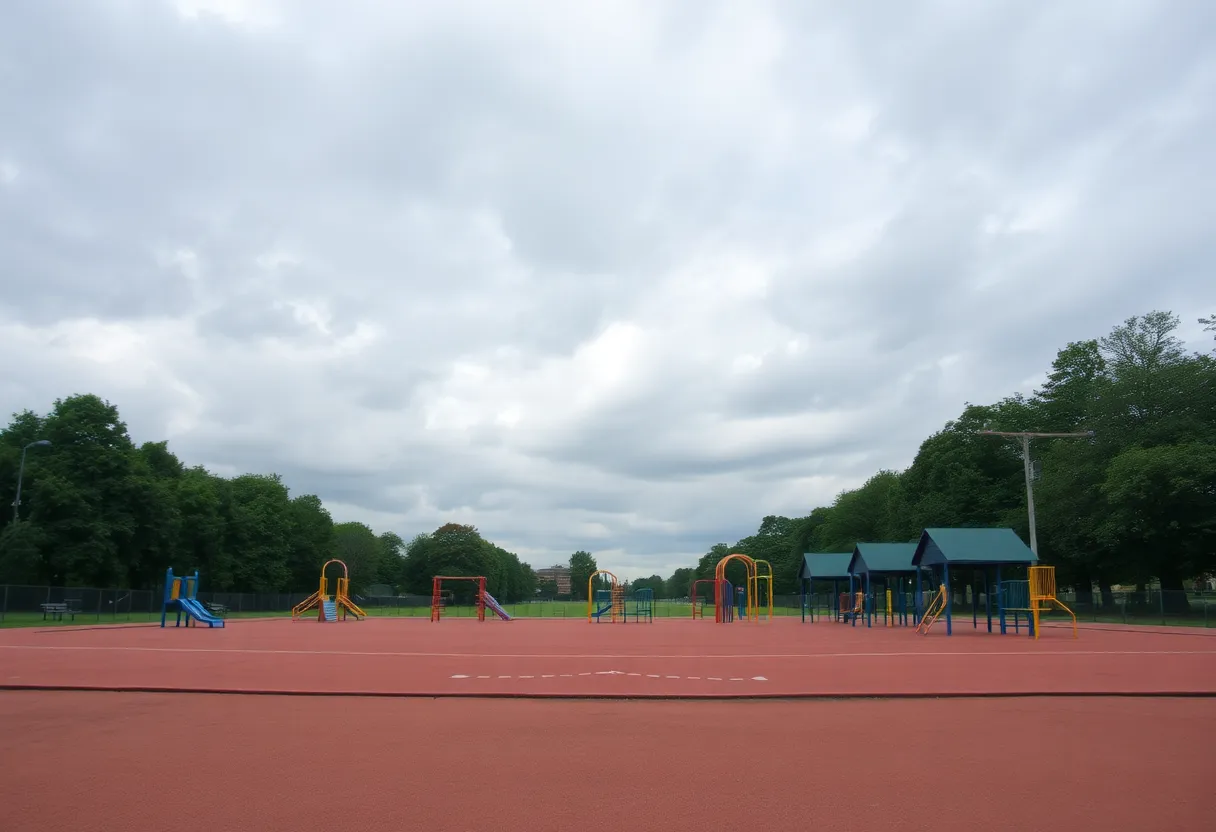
(199, 613)
(493, 604)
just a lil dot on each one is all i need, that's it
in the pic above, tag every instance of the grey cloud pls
(495, 189)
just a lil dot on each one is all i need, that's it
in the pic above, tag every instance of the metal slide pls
(199, 613)
(494, 605)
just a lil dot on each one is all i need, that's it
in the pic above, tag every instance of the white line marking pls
(547, 676)
(698, 678)
(736, 679)
(527, 677)
(633, 674)
(673, 677)
(459, 676)
(588, 673)
(714, 678)
(483, 677)
(908, 654)
(759, 679)
(504, 677)
(654, 676)
(567, 675)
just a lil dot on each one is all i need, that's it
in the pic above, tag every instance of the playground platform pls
(669, 659)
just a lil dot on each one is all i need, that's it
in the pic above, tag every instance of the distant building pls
(559, 574)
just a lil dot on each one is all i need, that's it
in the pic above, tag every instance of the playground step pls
(331, 611)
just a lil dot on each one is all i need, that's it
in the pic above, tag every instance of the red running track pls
(566, 658)
(136, 762)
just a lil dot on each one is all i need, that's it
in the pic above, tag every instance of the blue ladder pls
(331, 610)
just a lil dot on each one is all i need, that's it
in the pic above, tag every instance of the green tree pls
(678, 584)
(357, 546)
(582, 566)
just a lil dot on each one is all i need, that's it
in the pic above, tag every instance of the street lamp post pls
(21, 473)
(1026, 436)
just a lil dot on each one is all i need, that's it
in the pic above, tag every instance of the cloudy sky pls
(622, 276)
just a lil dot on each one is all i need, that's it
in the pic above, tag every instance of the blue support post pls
(987, 600)
(975, 604)
(1000, 598)
(916, 597)
(867, 603)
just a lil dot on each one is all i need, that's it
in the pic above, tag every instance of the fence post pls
(4, 606)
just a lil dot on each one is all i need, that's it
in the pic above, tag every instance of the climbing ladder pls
(329, 610)
(937, 605)
(1043, 596)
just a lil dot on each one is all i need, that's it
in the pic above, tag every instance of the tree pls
(1161, 511)
(582, 566)
(678, 584)
(654, 583)
(357, 546)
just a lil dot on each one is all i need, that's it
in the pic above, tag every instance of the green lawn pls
(1200, 616)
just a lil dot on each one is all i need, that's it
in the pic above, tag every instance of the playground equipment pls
(852, 606)
(181, 596)
(937, 606)
(484, 599)
(1033, 596)
(698, 606)
(614, 603)
(610, 601)
(643, 606)
(729, 600)
(330, 609)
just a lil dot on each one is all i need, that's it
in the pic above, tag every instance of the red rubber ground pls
(135, 762)
(668, 658)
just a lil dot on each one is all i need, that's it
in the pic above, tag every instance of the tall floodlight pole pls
(1025, 437)
(21, 473)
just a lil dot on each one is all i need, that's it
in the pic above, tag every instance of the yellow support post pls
(890, 611)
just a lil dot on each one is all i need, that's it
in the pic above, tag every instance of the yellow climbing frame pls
(1043, 596)
(616, 603)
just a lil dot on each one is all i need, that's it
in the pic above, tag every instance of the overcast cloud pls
(618, 276)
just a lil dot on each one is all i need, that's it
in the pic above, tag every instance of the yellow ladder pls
(936, 607)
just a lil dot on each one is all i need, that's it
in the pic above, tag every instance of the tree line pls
(1134, 504)
(98, 510)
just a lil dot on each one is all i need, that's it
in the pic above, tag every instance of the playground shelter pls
(891, 565)
(994, 560)
(825, 567)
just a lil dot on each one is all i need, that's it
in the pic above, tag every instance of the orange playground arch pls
(330, 609)
(752, 588)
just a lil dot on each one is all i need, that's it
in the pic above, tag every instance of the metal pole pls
(1026, 436)
(20, 474)
(1034, 538)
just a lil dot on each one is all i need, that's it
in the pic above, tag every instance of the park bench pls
(215, 609)
(58, 609)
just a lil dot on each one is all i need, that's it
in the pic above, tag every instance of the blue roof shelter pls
(942, 550)
(890, 563)
(824, 566)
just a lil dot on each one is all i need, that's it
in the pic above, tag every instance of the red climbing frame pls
(692, 595)
(437, 598)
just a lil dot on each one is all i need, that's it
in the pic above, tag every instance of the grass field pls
(1201, 616)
